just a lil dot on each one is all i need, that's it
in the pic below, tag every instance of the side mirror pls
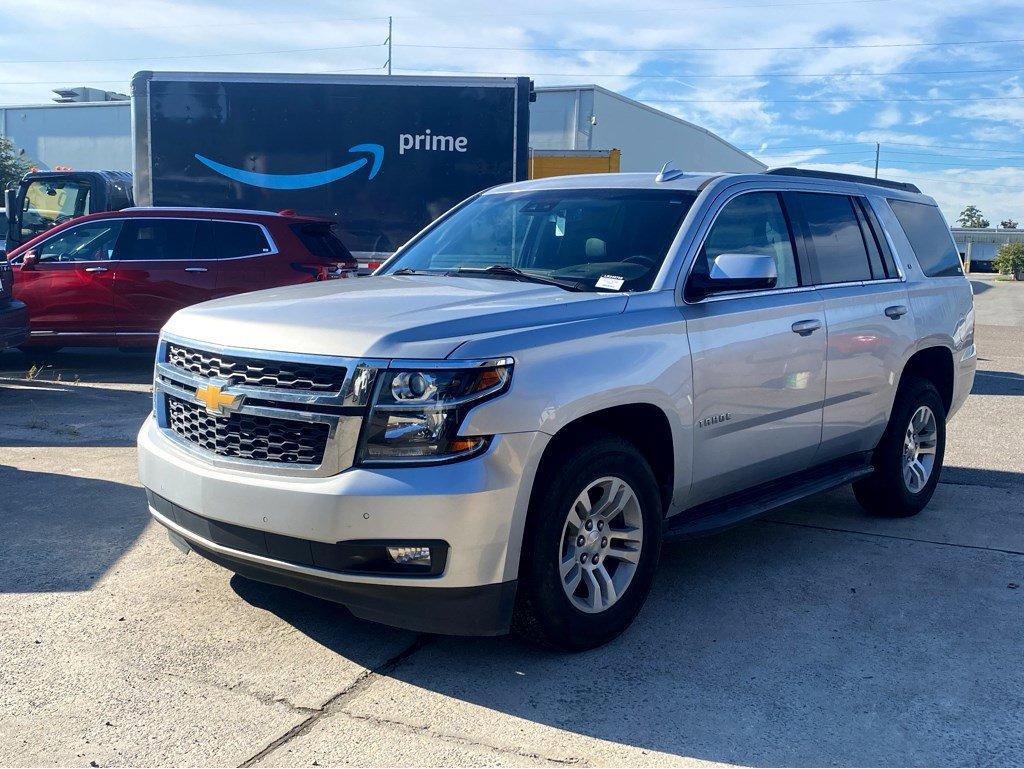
(29, 260)
(735, 272)
(10, 203)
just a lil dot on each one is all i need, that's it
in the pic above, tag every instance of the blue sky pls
(792, 81)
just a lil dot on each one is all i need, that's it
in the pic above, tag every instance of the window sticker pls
(612, 282)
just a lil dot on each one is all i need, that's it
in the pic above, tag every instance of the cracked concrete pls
(816, 636)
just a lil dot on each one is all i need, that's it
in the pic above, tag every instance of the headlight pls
(417, 411)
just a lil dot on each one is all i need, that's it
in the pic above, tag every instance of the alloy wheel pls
(601, 543)
(919, 445)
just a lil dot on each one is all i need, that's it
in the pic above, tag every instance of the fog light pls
(410, 556)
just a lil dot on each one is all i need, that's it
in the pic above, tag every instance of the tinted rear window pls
(929, 237)
(320, 240)
(230, 240)
(156, 239)
(839, 249)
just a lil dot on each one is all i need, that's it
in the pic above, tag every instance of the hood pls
(407, 316)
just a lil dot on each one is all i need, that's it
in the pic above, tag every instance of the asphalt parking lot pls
(814, 637)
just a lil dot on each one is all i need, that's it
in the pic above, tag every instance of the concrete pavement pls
(816, 636)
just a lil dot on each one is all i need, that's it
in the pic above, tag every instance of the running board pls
(717, 515)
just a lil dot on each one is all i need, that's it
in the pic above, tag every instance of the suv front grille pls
(256, 372)
(246, 436)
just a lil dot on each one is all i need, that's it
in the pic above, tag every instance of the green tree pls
(1008, 224)
(12, 165)
(971, 217)
(1010, 260)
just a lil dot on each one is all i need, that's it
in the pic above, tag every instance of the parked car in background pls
(115, 278)
(13, 314)
(3, 229)
(499, 427)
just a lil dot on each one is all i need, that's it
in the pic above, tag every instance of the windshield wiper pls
(515, 272)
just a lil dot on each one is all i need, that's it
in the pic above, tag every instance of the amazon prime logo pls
(302, 181)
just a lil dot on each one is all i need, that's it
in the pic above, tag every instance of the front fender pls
(568, 372)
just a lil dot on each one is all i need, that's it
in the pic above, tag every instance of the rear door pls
(867, 311)
(758, 358)
(70, 291)
(240, 251)
(156, 274)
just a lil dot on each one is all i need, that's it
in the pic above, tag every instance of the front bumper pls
(478, 507)
(13, 324)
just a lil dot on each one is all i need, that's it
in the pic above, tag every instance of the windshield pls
(52, 202)
(613, 240)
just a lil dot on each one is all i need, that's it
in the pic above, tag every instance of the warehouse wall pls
(79, 136)
(649, 138)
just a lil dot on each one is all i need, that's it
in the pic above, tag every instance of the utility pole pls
(878, 149)
(389, 50)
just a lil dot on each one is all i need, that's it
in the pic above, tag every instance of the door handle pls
(95, 269)
(896, 312)
(196, 269)
(806, 327)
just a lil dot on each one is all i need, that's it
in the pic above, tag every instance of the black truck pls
(381, 155)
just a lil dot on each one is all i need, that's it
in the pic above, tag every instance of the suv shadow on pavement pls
(62, 532)
(787, 645)
(998, 383)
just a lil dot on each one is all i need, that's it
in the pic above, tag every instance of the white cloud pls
(887, 118)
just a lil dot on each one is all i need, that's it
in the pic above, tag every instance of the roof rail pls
(902, 186)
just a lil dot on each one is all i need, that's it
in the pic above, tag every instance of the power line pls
(952, 165)
(887, 142)
(823, 47)
(693, 76)
(954, 147)
(517, 14)
(192, 55)
(832, 101)
(124, 81)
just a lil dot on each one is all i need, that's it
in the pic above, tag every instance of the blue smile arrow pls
(300, 181)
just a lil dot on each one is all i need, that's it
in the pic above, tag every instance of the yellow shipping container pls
(544, 163)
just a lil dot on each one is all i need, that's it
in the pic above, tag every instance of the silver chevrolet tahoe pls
(500, 427)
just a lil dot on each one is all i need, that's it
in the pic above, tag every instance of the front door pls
(157, 275)
(70, 290)
(758, 359)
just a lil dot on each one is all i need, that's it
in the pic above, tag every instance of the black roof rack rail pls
(902, 186)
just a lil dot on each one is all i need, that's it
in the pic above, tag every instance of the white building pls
(588, 117)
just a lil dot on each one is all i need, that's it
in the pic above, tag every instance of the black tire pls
(543, 612)
(885, 492)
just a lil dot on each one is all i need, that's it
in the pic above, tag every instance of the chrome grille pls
(257, 372)
(246, 436)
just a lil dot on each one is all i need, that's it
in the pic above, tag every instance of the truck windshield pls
(611, 239)
(49, 203)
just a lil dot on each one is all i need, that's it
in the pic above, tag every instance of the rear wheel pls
(908, 459)
(591, 546)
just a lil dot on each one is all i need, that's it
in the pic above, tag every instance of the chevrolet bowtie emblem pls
(216, 400)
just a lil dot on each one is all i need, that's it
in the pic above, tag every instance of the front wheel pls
(591, 547)
(908, 459)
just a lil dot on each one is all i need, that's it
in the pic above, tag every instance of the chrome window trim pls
(121, 220)
(793, 289)
(266, 234)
